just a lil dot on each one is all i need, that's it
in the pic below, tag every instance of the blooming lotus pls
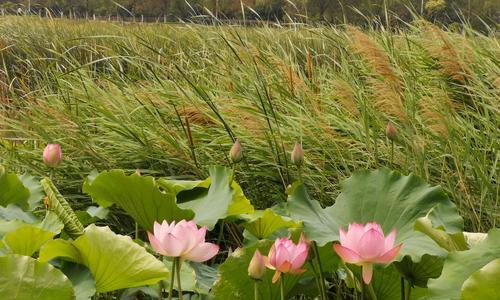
(183, 240)
(287, 257)
(365, 245)
(52, 155)
(257, 266)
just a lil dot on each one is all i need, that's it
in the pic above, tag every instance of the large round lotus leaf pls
(138, 195)
(483, 284)
(459, 266)
(13, 191)
(24, 278)
(115, 261)
(27, 240)
(224, 198)
(383, 196)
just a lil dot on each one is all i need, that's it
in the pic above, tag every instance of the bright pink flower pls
(365, 245)
(52, 155)
(183, 240)
(286, 257)
(257, 266)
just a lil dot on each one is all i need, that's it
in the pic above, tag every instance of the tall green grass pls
(170, 100)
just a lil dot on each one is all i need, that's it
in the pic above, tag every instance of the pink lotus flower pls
(257, 266)
(366, 245)
(52, 155)
(286, 257)
(183, 240)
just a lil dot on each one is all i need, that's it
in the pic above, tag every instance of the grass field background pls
(171, 99)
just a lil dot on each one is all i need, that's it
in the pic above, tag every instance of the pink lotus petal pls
(172, 245)
(371, 245)
(390, 255)
(156, 244)
(374, 226)
(367, 270)
(282, 255)
(157, 229)
(389, 240)
(271, 256)
(202, 252)
(284, 267)
(347, 254)
(353, 235)
(299, 260)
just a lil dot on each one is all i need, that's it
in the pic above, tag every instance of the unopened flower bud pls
(391, 131)
(297, 156)
(236, 152)
(257, 266)
(52, 155)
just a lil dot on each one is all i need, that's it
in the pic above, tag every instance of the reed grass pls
(171, 99)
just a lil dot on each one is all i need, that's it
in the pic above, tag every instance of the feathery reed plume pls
(195, 116)
(441, 47)
(374, 55)
(387, 100)
(434, 110)
(342, 91)
(244, 116)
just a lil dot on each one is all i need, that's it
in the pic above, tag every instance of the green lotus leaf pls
(24, 278)
(263, 223)
(27, 240)
(115, 261)
(14, 212)
(461, 266)
(222, 199)
(450, 242)
(483, 284)
(81, 279)
(383, 196)
(35, 190)
(138, 195)
(13, 191)
(178, 186)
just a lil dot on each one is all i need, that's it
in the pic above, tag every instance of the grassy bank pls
(170, 99)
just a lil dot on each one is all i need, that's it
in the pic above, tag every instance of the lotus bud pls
(52, 155)
(391, 131)
(236, 152)
(257, 266)
(297, 156)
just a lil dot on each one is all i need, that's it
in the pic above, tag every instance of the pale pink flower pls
(365, 245)
(257, 266)
(287, 257)
(183, 240)
(52, 155)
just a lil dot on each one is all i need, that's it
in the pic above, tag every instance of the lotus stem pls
(403, 289)
(321, 278)
(408, 292)
(256, 290)
(179, 288)
(316, 276)
(172, 277)
(136, 231)
(282, 286)
(371, 292)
